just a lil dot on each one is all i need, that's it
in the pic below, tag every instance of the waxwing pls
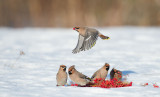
(61, 76)
(87, 38)
(78, 77)
(101, 73)
(115, 74)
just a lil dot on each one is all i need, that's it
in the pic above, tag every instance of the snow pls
(133, 50)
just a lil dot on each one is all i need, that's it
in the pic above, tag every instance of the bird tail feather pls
(104, 37)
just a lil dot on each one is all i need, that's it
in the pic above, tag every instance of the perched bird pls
(61, 76)
(101, 73)
(87, 38)
(116, 74)
(78, 77)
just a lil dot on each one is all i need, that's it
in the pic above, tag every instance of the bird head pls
(106, 66)
(63, 67)
(76, 28)
(116, 71)
(71, 70)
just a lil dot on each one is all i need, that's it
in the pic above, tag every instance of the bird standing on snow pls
(61, 76)
(87, 38)
(101, 73)
(78, 77)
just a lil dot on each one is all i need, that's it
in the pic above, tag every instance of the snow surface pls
(133, 50)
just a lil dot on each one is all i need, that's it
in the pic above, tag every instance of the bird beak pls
(73, 28)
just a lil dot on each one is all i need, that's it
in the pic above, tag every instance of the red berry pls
(155, 85)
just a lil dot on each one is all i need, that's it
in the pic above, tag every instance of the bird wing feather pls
(89, 40)
(84, 76)
(95, 74)
(79, 44)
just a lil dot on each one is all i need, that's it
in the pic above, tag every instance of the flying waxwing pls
(78, 77)
(101, 73)
(115, 74)
(61, 76)
(87, 38)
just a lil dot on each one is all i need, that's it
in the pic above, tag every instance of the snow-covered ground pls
(133, 50)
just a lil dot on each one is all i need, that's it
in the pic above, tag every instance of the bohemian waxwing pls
(101, 73)
(61, 76)
(87, 38)
(78, 77)
(115, 74)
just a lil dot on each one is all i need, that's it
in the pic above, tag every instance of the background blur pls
(69, 13)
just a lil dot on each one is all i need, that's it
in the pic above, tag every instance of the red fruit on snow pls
(155, 85)
(114, 83)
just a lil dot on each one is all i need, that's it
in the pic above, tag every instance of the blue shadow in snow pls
(123, 73)
(127, 72)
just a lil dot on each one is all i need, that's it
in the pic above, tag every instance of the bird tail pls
(103, 37)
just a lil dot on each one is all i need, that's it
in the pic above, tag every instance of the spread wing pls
(89, 40)
(79, 44)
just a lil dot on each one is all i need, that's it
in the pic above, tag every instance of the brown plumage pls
(115, 74)
(102, 72)
(87, 38)
(61, 76)
(78, 77)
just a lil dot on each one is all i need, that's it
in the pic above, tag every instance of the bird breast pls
(104, 73)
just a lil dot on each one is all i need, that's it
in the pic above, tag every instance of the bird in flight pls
(87, 38)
